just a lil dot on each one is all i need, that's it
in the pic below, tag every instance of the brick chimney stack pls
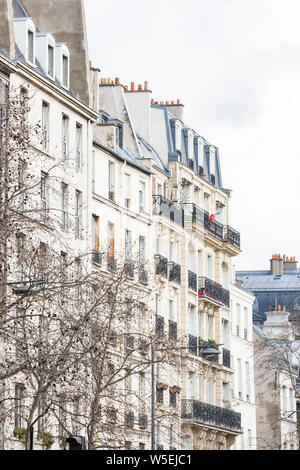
(276, 265)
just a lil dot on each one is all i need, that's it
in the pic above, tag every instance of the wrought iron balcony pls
(215, 228)
(143, 420)
(129, 269)
(192, 281)
(232, 236)
(172, 330)
(168, 209)
(226, 357)
(174, 272)
(129, 342)
(211, 415)
(161, 265)
(111, 264)
(160, 321)
(173, 399)
(212, 290)
(129, 419)
(193, 344)
(97, 258)
(143, 275)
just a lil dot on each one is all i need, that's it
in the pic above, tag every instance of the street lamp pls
(208, 352)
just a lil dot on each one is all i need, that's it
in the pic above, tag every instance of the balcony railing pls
(96, 258)
(129, 269)
(212, 290)
(111, 264)
(168, 209)
(193, 345)
(226, 357)
(192, 281)
(224, 233)
(161, 265)
(174, 272)
(143, 275)
(232, 236)
(172, 330)
(159, 328)
(211, 415)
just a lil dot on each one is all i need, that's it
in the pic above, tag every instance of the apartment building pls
(131, 182)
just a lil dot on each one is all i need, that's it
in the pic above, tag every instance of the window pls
(43, 195)
(188, 443)
(240, 379)
(238, 319)
(142, 242)
(191, 320)
(111, 181)
(142, 196)
(119, 136)
(20, 242)
(225, 394)
(210, 392)
(192, 388)
(142, 393)
(45, 125)
(171, 436)
(30, 46)
(249, 439)
(209, 267)
(41, 417)
(111, 240)
(77, 213)
(200, 387)
(65, 71)
(171, 252)
(210, 333)
(127, 191)
(171, 310)
(50, 60)
(19, 396)
(63, 204)
(95, 231)
(225, 334)
(78, 146)
(200, 322)
(247, 368)
(128, 388)
(65, 137)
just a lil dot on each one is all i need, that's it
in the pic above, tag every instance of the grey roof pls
(148, 152)
(264, 281)
(18, 10)
(124, 154)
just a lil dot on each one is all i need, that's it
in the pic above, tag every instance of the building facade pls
(135, 184)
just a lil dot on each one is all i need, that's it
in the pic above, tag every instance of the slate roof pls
(148, 152)
(124, 154)
(260, 281)
(18, 10)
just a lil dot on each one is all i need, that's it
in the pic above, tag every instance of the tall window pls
(127, 190)
(225, 332)
(77, 213)
(200, 388)
(119, 136)
(210, 332)
(240, 379)
(111, 240)
(95, 228)
(142, 196)
(78, 146)
(43, 191)
(65, 71)
(65, 137)
(45, 125)
(19, 397)
(171, 310)
(209, 267)
(191, 320)
(200, 324)
(238, 319)
(128, 388)
(142, 393)
(247, 381)
(200, 263)
(171, 437)
(50, 60)
(225, 394)
(245, 323)
(192, 386)
(142, 243)
(63, 204)
(210, 392)
(30, 46)
(171, 252)
(111, 181)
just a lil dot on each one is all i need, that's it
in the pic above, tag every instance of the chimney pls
(289, 263)
(117, 81)
(176, 109)
(146, 86)
(140, 87)
(276, 265)
(132, 86)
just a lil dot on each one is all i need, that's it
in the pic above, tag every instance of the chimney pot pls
(167, 102)
(152, 101)
(146, 85)
(270, 308)
(117, 81)
(178, 101)
(172, 102)
(161, 103)
(284, 308)
(90, 62)
(140, 87)
(279, 308)
(132, 86)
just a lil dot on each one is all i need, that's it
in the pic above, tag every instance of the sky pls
(235, 64)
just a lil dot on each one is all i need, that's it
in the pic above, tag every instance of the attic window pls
(50, 60)
(65, 71)
(119, 136)
(30, 46)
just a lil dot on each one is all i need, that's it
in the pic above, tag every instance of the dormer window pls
(119, 136)
(65, 71)
(50, 60)
(30, 46)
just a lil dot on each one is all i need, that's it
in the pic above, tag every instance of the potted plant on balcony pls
(20, 433)
(161, 386)
(175, 389)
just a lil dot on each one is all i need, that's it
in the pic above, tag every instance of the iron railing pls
(232, 236)
(96, 257)
(226, 357)
(129, 269)
(215, 228)
(174, 272)
(168, 209)
(159, 328)
(143, 420)
(172, 330)
(193, 344)
(192, 281)
(211, 289)
(211, 415)
(111, 264)
(143, 275)
(161, 265)
(129, 419)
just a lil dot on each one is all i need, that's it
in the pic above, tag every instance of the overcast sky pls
(235, 64)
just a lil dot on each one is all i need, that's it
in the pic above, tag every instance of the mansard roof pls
(265, 281)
